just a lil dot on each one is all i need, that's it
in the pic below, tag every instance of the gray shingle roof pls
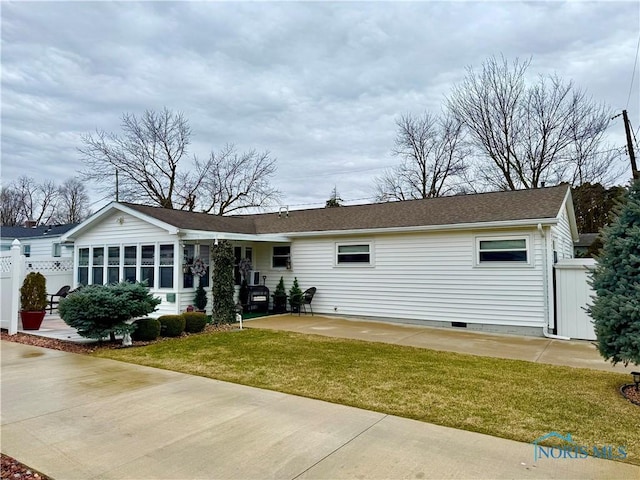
(479, 208)
(40, 231)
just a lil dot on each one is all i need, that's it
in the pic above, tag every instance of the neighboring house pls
(480, 261)
(41, 241)
(581, 247)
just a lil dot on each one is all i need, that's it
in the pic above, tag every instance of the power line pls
(633, 75)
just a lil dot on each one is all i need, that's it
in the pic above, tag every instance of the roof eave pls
(188, 235)
(529, 222)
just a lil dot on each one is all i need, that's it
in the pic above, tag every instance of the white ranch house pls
(483, 262)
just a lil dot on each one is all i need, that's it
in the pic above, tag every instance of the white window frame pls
(26, 249)
(503, 264)
(56, 249)
(369, 264)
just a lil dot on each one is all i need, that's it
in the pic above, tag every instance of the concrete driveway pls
(78, 417)
(572, 353)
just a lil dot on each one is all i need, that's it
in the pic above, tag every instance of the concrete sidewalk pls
(573, 353)
(78, 417)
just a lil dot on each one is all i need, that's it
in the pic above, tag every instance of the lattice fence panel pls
(49, 265)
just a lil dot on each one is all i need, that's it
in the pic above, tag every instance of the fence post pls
(17, 275)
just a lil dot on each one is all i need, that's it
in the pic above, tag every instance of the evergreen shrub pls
(171, 325)
(146, 329)
(194, 321)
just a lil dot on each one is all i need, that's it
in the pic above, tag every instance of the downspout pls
(545, 286)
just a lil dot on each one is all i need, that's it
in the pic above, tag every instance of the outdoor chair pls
(54, 298)
(307, 296)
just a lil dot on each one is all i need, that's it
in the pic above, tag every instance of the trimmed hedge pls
(171, 325)
(146, 329)
(194, 321)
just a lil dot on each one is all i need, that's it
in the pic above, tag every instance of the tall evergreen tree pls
(616, 281)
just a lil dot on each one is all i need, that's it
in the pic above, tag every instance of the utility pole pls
(632, 155)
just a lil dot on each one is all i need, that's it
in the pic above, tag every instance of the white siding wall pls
(562, 237)
(133, 231)
(42, 247)
(428, 276)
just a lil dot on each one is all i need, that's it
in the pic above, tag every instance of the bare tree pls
(150, 158)
(547, 132)
(10, 207)
(432, 152)
(236, 181)
(146, 155)
(38, 201)
(73, 202)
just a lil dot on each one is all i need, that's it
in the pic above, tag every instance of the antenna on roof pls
(117, 185)
(286, 211)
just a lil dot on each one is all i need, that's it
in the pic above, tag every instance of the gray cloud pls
(317, 84)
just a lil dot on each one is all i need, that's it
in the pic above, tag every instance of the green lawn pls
(505, 398)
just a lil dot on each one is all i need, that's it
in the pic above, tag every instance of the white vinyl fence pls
(14, 267)
(573, 295)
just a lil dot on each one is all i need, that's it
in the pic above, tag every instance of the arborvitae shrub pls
(194, 321)
(33, 294)
(146, 329)
(171, 325)
(224, 307)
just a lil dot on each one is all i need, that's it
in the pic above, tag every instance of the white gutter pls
(545, 287)
(427, 228)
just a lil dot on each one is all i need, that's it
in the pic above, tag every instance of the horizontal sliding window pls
(513, 250)
(354, 254)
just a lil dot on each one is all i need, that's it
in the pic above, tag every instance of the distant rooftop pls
(35, 232)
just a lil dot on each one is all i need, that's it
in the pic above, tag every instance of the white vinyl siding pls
(561, 234)
(423, 277)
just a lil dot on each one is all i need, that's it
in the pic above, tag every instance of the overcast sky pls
(319, 85)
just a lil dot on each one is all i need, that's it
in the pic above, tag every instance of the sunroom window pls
(148, 253)
(166, 266)
(130, 261)
(113, 264)
(83, 266)
(98, 266)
